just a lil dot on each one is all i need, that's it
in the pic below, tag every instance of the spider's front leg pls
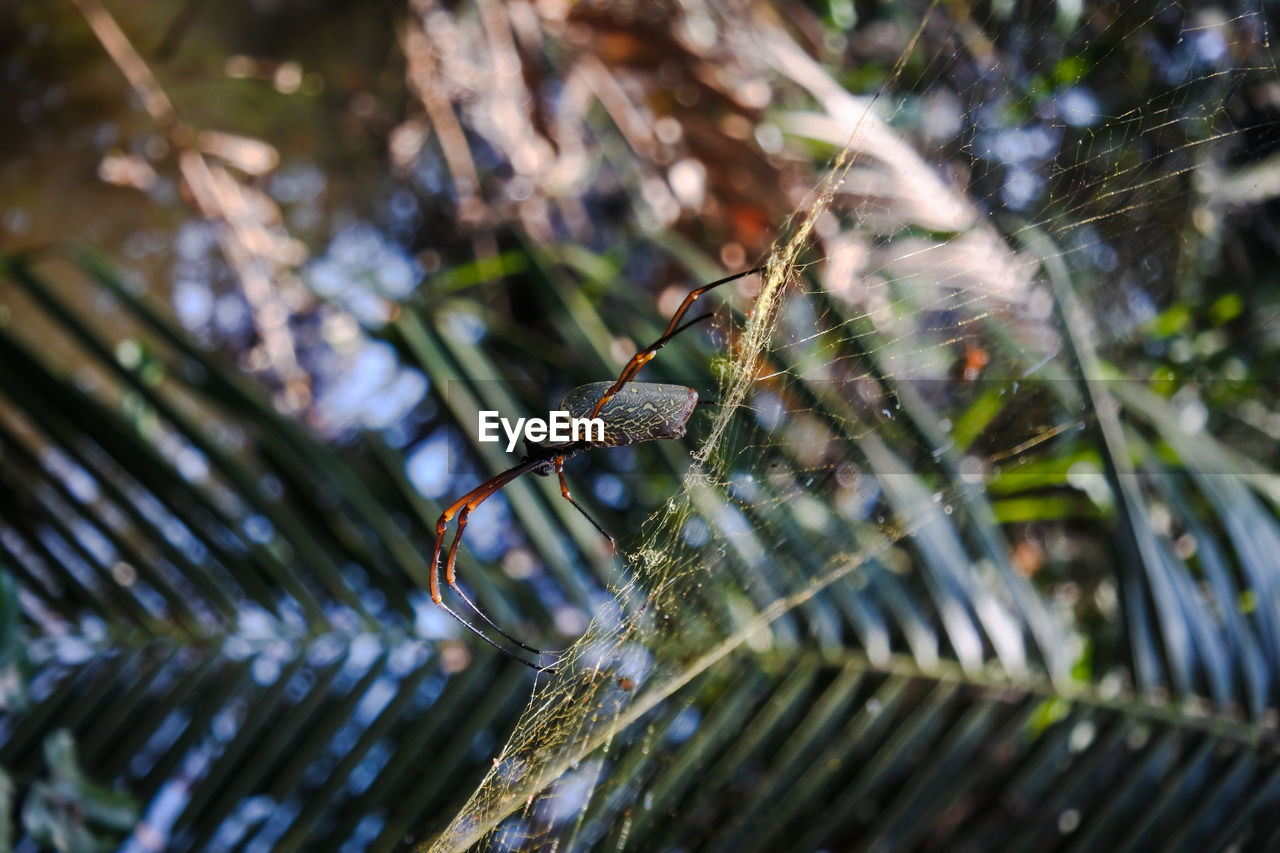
(462, 508)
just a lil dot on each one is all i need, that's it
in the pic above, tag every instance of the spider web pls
(917, 361)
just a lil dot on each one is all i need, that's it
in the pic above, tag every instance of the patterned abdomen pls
(641, 411)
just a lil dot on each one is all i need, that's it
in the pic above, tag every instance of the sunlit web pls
(903, 379)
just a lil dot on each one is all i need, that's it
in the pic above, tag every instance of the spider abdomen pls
(639, 412)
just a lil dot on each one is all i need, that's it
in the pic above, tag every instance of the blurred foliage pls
(69, 813)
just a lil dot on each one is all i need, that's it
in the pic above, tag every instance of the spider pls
(633, 412)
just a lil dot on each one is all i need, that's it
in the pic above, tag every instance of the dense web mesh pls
(916, 363)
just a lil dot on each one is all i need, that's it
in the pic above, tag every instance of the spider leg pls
(644, 356)
(451, 579)
(462, 508)
(564, 490)
(506, 651)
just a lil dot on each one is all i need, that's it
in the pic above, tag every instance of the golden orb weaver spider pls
(647, 412)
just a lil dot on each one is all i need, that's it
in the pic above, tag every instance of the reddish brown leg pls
(564, 490)
(644, 356)
(462, 508)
